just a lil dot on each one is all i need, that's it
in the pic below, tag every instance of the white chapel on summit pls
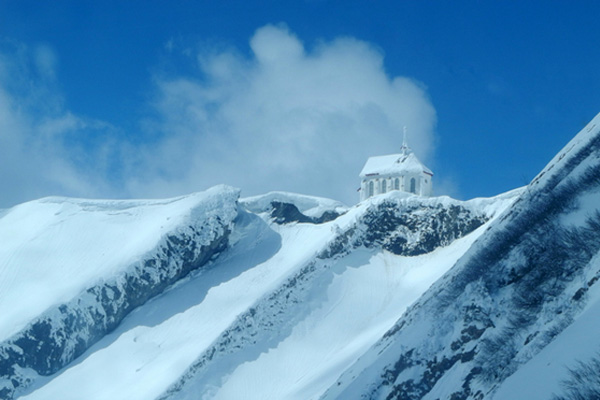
(402, 172)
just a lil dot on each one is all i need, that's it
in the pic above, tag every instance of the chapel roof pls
(394, 164)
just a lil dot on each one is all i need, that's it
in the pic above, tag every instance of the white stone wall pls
(422, 185)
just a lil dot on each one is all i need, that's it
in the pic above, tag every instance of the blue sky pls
(160, 98)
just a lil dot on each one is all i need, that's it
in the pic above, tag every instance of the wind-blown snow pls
(292, 310)
(157, 350)
(351, 305)
(347, 305)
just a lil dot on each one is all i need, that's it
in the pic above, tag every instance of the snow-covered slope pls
(297, 300)
(71, 270)
(515, 303)
(97, 240)
(294, 341)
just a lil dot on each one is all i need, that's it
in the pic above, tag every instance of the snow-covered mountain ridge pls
(121, 254)
(73, 269)
(279, 312)
(286, 296)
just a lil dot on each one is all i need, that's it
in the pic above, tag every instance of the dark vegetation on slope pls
(408, 229)
(417, 229)
(583, 382)
(541, 209)
(553, 255)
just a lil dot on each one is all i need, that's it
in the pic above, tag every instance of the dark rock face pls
(462, 350)
(407, 228)
(285, 213)
(418, 229)
(62, 334)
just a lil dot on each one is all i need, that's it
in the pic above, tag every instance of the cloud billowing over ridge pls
(287, 117)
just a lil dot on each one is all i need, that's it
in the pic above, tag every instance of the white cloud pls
(33, 163)
(45, 61)
(287, 118)
(38, 151)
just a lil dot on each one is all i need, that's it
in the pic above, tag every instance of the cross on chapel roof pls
(405, 149)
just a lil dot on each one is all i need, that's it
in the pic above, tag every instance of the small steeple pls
(405, 149)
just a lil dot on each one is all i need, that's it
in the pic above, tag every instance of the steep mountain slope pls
(296, 339)
(284, 280)
(528, 283)
(71, 270)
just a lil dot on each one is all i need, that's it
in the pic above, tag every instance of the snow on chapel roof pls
(395, 164)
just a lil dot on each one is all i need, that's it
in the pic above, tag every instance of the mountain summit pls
(285, 296)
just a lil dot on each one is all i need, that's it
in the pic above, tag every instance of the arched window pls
(397, 184)
(413, 185)
(383, 186)
(370, 188)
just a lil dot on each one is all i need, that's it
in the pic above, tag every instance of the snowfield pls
(365, 295)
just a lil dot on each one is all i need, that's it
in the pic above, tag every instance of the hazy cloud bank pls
(288, 117)
(41, 147)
